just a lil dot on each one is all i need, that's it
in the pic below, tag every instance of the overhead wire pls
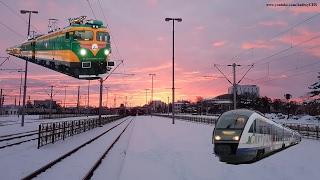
(283, 32)
(109, 29)
(289, 70)
(94, 15)
(11, 30)
(293, 75)
(19, 15)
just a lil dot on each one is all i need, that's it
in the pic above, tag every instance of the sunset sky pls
(212, 32)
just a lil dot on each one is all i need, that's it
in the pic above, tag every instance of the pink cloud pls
(259, 44)
(151, 69)
(200, 28)
(273, 23)
(219, 43)
(152, 3)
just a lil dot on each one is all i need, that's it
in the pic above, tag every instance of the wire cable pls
(91, 9)
(19, 15)
(11, 30)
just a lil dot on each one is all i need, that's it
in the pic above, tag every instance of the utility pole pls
(234, 84)
(100, 100)
(146, 96)
(78, 100)
(168, 105)
(88, 97)
(20, 91)
(125, 105)
(50, 112)
(26, 69)
(1, 101)
(153, 104)
(107, 88)
(65, 96)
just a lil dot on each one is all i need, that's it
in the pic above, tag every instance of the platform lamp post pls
(173, 20)
(26, 69)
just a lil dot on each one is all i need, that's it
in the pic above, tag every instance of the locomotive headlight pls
(83, 52)
(217, 138)
(106, 52)
(236, 138)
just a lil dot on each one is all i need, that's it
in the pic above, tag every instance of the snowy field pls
(153, 148)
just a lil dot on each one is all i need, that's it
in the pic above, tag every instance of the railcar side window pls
(253, 127)
(83, 35)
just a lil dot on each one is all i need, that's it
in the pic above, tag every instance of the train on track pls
(80, 50)
(245, 136)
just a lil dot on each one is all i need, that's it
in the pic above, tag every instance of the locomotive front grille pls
(225, 149)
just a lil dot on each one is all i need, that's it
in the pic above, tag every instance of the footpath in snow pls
(159, 150)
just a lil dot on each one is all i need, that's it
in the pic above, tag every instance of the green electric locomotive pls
(80, 50)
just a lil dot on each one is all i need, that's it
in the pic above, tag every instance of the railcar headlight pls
(83, 52)
(236, 138)
(106, 52)
(217, 138)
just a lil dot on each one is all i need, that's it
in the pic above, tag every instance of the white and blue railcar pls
(242, 136)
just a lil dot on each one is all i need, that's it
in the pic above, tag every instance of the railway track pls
(11, 139)
(73, 153)
(9, 135)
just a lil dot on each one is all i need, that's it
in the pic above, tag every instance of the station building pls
(246, 89)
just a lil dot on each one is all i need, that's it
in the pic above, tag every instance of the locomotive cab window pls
(232, 121)
(103, 36)
(83, 35)
(69, 35)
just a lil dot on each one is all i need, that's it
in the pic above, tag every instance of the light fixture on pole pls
(173, 20)
(26, 68)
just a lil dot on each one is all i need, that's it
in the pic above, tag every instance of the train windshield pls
(103, 36)
(232, 121)
(83, 35)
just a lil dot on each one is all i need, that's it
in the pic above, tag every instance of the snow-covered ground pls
(153, 148)
(160, 150)
(297, 119)
(19, 161)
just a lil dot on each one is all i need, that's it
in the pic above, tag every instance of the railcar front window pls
(83, 35)
(232, 121)
(103, 36)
